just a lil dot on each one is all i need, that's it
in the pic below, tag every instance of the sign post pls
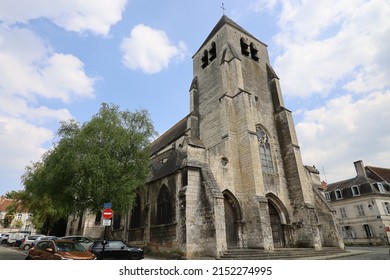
(107, 216)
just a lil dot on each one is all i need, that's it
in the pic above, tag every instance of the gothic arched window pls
(116, 223)
(254, 52)
(164, 206)
(265, 151)
(244, 47)
(135, 219)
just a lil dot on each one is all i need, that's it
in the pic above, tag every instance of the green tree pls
(103, 160)
(9, 215)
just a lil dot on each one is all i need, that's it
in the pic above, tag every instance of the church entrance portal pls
(231, 219)
(276, 226)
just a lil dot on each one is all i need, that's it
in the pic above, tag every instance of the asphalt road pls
(11, 253)
(371, 253)
(367, 253)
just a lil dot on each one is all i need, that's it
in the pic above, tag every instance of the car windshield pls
(69, 247)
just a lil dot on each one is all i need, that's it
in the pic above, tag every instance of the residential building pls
(21, 221)
(362, 204)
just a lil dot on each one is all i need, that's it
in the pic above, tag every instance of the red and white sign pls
(107, 213)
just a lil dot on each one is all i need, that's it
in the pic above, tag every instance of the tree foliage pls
(103, 160)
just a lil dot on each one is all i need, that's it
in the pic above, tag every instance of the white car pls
(28, 240)
(4, 237)
(15, 236)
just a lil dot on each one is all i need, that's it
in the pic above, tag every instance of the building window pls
(98, 218)
(209, 55)
(265, 151)
(386, 207)
(381, 189)
(338, 194)
(254, 52)
(116, 223)
(135, 220)
(244, 47)
(343, 213)
(164, 206)
(20, 216)
(367, 230)
(360, 210)
(205, 59)
(355, 190)
(327, 196)
(213, 52)
(348, 232)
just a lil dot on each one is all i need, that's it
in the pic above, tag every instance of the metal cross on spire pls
(223, 8)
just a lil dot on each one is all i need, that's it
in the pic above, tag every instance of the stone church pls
(230, 173)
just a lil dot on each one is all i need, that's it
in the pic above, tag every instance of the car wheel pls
(26, 247)
(134, 256)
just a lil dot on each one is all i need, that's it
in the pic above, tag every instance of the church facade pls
(230, 174)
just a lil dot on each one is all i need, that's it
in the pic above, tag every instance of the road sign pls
(106, 222)
(107, 213)
(107, 205)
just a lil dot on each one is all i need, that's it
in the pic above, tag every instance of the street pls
(370, 253)
(11, 253)
(375, 253)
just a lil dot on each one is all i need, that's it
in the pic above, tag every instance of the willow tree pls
(103, 160)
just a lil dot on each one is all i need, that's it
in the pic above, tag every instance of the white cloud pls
(37, 71)
(96, 16)
(31, 73)
(21, 143)
(345, 130)
(150, 50)
(338, 50)
(329, 45)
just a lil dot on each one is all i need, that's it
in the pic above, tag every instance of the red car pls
(59, 250)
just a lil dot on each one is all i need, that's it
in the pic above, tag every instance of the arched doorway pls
(232, 216)
(276, 226)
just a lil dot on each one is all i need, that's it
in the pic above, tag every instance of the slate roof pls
(378, 173)
(175, 132)
(176, 161)
(367, 184)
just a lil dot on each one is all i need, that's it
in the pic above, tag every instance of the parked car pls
(4, 237)
(59, 250)
(18, 242)
(85, 241)
(116, 250)
(49, 237)
(15, 236)
(28, 240)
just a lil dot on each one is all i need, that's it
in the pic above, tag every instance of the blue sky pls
(62, 59)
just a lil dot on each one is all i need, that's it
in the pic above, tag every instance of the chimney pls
(359, 167)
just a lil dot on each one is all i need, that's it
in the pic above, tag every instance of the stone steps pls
(282, 254)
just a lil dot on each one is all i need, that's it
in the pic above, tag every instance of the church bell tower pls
(237, 111)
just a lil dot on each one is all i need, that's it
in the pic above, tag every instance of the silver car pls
(84, 241)
(28, 240)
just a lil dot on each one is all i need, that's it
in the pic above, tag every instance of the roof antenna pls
(323, 170)
(223, 8)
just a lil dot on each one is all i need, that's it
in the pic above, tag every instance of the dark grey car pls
(116, 250)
